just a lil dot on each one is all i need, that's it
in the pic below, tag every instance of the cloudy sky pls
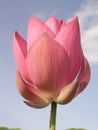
(83, 110)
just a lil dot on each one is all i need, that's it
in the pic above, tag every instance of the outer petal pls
(48, 65)
(73, 89)
(84, 76)
(68, 93)
(20, 51)
(69, 38)
(35, 29)
(40, 104)
(53, 24)
(29, 93)
(62, 24)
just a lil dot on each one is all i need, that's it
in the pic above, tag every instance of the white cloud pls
(88, 18)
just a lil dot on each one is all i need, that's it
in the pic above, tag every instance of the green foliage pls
(5, 128)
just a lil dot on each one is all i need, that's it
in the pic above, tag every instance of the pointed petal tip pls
(32, 18)
(35, 29)
(18, 37)
(20, 52)
(74, 21)
(15, 34)
(76, 18)
(52, 18)
(53, 24)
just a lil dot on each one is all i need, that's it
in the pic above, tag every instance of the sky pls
(82, 112)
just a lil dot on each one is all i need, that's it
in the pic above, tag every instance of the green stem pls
(53, 116)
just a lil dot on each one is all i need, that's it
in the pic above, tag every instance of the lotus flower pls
(51, 66)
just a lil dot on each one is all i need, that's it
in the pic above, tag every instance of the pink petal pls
(73, 89)
(67, 93)
(69, 38)
(53, 24)
(40, 104)
(84, 76)
(29, 93)
(48, 65)
(20, 52)
(35, 29)
(62, 24)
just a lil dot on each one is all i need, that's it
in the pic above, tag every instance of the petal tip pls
(74, 21)
(17, 36)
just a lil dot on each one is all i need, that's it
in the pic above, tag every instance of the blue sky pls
(82, 111)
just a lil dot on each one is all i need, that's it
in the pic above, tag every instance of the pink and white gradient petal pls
(53, 24)
(48, 65)
(30, 93)
(84, 76)
(20, 52)
(69, 38)
(35, 29)
(67, 93)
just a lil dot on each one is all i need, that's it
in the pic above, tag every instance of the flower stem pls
(53, 116)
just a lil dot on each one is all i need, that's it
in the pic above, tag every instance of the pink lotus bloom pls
(50, 65)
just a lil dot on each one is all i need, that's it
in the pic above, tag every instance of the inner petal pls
(48, 64)
(35, 29)
(53, 24)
